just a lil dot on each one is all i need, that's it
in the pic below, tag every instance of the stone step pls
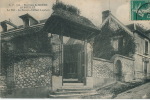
(75, 95)
(70, 79)
(73, 84)
(75, 92)
(73, 88)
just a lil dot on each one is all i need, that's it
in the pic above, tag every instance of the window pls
(137, 47)
(26, 22)
(10, 46)
(146, 47)
(117, 43)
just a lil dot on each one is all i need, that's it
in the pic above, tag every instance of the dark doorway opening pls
(145, 69)
(118, 71)
(73, 70)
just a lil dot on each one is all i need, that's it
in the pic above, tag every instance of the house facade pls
(66, 49)
(130, 41)
(142, 55)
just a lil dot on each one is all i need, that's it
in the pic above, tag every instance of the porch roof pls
(64, 23)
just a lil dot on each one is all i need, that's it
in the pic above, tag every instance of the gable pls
(115, 25)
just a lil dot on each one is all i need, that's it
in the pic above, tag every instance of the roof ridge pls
(116, 20)
(122, 25)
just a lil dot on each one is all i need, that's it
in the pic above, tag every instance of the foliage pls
(104, 49)
(68, 8)
(129, 46)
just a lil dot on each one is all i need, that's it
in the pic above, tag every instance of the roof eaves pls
(29, 16)
(60, 13)
(122, 25)
(9, 33)
(21, 28)
(140, 33)
(10, 23)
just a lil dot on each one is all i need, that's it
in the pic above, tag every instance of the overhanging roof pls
(64, 23)
(139, 30)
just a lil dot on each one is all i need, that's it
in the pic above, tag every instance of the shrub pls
(65, 7)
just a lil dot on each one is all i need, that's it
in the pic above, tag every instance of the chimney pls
(5, 23)
(28, 20)
(4, 26)
(105, 14)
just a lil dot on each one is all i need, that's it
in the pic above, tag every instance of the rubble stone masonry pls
(102, 72)
(30, 74)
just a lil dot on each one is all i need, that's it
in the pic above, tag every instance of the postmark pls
(140, 9)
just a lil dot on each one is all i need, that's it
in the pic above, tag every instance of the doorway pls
(73, 69)
(118, 71)
(145, 69)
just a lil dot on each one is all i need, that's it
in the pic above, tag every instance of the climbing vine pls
(103, 47)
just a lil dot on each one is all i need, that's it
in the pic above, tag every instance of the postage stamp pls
(140, 9)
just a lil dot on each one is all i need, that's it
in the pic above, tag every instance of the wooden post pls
(62, 52)
(62, 56)
(85, 59)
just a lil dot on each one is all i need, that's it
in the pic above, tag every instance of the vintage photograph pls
(75, 49)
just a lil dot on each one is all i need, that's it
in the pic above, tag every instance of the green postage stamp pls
(140, 9)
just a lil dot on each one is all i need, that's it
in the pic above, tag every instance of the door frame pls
(84, 54)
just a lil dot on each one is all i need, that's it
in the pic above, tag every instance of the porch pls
(75, 59)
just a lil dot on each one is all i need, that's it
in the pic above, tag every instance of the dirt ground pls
(140, 92)
(118, 90)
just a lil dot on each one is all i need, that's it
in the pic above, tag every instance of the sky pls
(91, 9)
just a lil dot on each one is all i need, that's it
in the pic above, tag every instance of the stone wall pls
(127, 65)
(102, 72)
(3, 86)
(30, 74)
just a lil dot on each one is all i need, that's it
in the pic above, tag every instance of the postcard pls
(75, 49)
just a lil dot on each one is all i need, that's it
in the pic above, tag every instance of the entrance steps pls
(73, 90)
(73, 84)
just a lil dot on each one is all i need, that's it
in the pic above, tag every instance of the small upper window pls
(28, 20)
(115, 44)
(146, 47)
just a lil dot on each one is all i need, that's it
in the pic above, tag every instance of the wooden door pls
(80, 66)
(70, 62)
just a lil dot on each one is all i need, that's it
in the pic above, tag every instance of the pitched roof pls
(118, 22)
(21, 26)
(74, 18)
(141, 31)
(28, 16)
(128, 28)
(8, 22)
(20, 32)
(74, 25)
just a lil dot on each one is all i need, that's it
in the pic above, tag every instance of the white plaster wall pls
(139, 55)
